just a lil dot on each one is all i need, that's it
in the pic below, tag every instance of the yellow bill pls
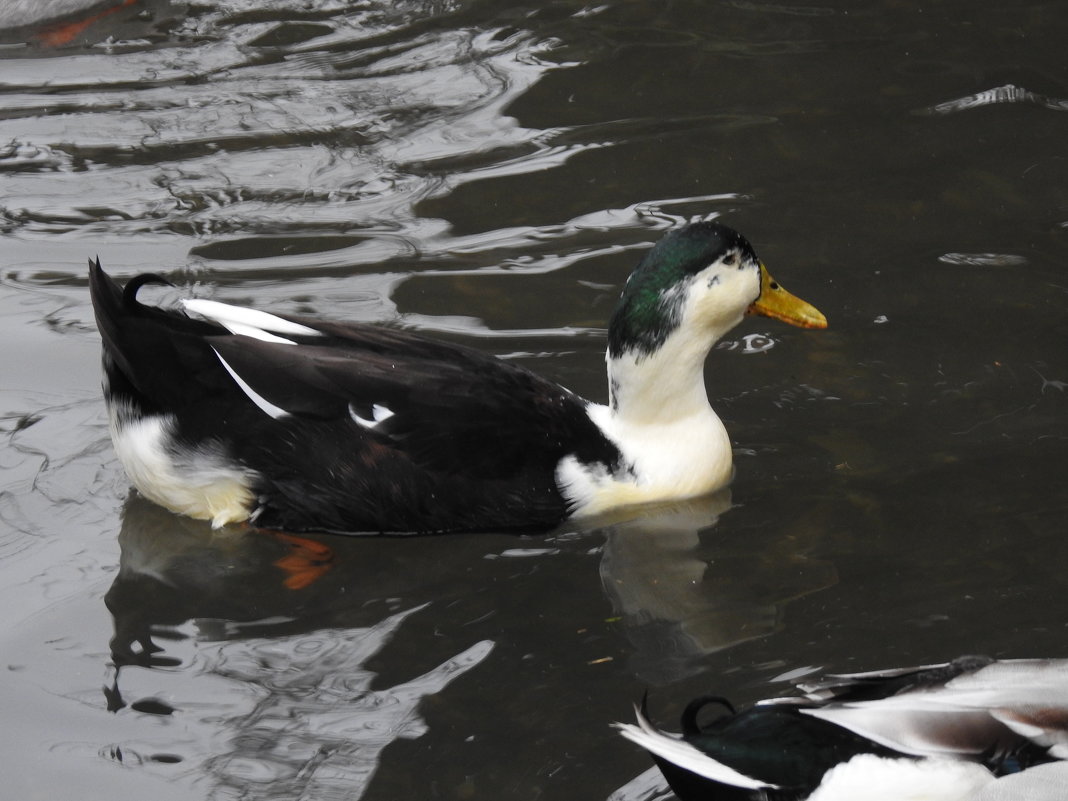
(777, 303)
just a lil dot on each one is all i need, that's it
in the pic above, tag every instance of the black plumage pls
(472, 443)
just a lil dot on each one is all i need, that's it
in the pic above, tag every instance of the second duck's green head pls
(705, 277)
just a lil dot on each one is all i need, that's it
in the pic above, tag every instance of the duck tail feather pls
(129, 294)
(680, 753)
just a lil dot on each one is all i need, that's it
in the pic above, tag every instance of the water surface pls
(490, 173)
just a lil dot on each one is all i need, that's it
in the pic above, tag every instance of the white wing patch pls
(681, 753)
(264, 405)
(257, 333)
(378, 412)
(248, 322)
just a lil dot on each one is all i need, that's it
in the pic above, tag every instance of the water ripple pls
(249, 130)
(279, 717)
(999, 95)
(314, 728)
(983, 259)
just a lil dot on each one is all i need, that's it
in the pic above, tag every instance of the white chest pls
(661, 461)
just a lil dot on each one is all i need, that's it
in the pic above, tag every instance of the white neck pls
(671, 442)
(667, 385)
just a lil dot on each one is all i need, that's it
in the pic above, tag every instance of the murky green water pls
(490, 173)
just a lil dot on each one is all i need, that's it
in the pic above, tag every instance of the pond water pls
(490, 173)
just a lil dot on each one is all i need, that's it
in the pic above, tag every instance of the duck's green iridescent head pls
(651, 304)
(705, 270)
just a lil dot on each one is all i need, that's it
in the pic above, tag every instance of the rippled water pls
(490, 174)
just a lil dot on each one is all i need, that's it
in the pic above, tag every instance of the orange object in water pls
(306, 564)
(66, 32)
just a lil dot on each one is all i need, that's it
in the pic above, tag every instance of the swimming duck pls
(974, 729)
(231, 414)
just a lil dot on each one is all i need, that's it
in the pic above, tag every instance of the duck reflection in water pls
(269, 635)
(683, 593)
(275, 697)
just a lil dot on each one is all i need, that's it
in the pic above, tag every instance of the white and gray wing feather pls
(678, 752)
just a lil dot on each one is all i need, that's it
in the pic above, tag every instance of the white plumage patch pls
(874, 778)
(965, 715)
(663, 460)
(379, 414)
(915, 723)
(265, 406)
(248, 322)
(195, 482)
(681, 753)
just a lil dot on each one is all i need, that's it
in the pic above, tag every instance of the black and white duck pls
(231, 414)
(975, 729)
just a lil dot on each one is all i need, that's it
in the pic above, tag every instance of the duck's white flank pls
(871, 778)
(198, 483)
(673, 444)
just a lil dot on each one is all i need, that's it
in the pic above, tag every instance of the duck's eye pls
(730, 259)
